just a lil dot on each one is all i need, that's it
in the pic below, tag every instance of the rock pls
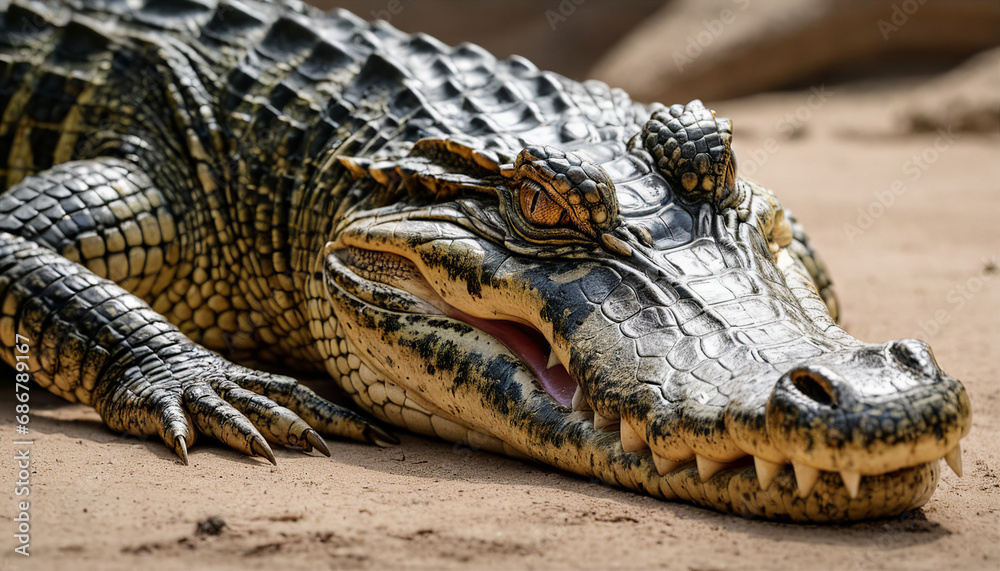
(966, 99)
(721, 49)
(210, 526)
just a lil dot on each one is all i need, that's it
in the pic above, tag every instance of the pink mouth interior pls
(531, 347)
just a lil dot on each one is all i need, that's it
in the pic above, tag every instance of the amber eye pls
(538, 208)
(555, 193)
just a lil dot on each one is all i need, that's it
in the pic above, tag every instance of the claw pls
(317, 442)
(217, 418)
(176, 432)
(379, 437)
(180, 448)
(260, 448)
(242, 408)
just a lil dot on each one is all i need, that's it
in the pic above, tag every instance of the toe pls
(277, 423)
(318, 412)
(215, 417)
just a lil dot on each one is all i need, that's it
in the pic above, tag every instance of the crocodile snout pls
(869, 410)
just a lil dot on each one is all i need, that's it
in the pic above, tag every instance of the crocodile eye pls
(555, 189)
(538, 208)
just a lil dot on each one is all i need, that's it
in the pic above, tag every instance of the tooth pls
(580, 401)
(954, 459)
(631, 441)
(766, 471)
(851, 481)
(553, 360)
(707, 468)
(600, 422)
(664, 466)
(806, 477)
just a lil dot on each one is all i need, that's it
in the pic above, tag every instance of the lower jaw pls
(734, 490)
(737, 491)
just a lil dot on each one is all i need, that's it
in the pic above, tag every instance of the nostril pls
(914, 354)
(815, 385)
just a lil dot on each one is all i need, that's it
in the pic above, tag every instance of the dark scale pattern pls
(691, 148)
(182, 177)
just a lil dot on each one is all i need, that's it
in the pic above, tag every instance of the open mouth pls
(531, 347)
(524, 341)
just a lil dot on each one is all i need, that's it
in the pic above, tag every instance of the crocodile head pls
(634, 313)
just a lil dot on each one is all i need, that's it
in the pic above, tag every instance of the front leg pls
(100, 344)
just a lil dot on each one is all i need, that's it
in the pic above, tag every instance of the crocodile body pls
(473, 249)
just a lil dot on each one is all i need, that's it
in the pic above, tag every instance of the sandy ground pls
(924, 266)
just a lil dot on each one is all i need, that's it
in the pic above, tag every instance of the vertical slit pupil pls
(534, 201)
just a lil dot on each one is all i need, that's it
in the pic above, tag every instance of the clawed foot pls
(195, 391)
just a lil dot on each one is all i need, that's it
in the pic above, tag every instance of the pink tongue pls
(530, 346)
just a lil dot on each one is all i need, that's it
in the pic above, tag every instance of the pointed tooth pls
(707, 468)
(766, 471)
(852, 480)
(954, 459)
(805, 477)
(664, 466)
(580, 401)
(553, 360)
(631, 440)
(601, 422)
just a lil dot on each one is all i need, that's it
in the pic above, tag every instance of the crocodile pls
(201, 196)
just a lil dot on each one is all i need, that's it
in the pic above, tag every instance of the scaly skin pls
(473, 249)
